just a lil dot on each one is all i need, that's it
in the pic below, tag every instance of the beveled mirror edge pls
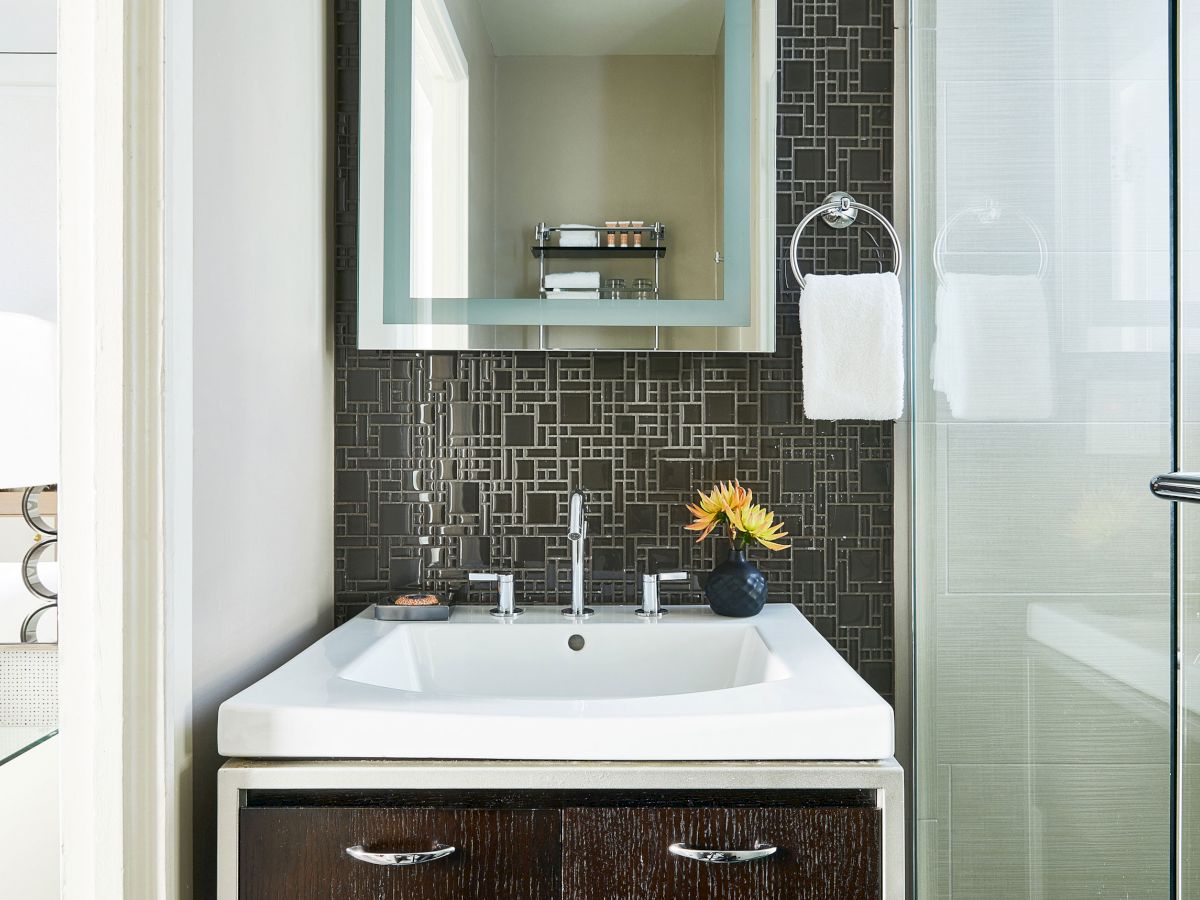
(375, 334)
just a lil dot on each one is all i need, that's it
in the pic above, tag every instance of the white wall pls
(262, 365)
(29, 823)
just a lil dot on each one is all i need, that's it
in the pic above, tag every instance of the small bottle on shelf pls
(611, 234)
(637, 235)
(625, 233)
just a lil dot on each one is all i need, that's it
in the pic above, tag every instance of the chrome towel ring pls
(839, 210)
(987, 214)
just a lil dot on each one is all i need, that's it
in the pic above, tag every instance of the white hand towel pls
(991, 357)
(584, 280)
(572, 295)
(578, 238)
(852, 341)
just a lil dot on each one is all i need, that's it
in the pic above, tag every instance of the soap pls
(417, 600)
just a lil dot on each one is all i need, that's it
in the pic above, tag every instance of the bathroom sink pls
(613, 661)
(689, 686)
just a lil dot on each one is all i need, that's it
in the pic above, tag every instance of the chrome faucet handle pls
(651, 605)
(504, 583)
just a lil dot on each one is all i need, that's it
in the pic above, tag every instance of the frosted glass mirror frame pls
(453, 328)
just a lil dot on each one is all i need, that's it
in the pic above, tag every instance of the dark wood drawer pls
(621, 854)
(295, 853)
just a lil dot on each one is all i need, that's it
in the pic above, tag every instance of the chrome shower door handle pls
(416, 858)
(1181, 486)
(761, 851)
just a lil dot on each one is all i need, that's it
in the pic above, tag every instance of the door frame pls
(120, 754)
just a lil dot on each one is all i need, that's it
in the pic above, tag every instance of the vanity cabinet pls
(820, 853)
(560, 845)
(297, 853)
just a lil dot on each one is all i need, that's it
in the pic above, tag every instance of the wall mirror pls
(567, 175)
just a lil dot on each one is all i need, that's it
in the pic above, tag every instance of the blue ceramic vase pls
(736, 587)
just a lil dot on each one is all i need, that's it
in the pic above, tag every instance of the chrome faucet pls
(577, 535)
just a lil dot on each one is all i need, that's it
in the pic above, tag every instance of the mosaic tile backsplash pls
(451, 462)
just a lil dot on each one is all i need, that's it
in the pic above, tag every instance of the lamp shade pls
(28, 401)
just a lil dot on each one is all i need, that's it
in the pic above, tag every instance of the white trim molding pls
(115, 753)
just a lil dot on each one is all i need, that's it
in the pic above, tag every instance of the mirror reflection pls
(568, 151)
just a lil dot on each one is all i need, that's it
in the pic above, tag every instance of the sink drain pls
(575, 642)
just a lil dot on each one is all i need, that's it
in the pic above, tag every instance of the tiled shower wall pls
(451, 462)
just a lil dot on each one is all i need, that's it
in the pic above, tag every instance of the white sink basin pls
(690, 686)
(474, 660)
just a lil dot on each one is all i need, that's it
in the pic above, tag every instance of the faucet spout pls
(577, 535)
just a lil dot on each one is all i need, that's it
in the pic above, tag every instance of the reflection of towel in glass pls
(584, 280)
(852, 346)
(578, 238)
(991, 358)
(572, 295)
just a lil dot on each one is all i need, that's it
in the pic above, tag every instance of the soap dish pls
(418, 608)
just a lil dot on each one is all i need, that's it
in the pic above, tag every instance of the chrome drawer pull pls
(439, 851)
(760, 851)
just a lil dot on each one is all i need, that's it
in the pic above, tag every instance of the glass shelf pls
(18, 739)
(598, 252)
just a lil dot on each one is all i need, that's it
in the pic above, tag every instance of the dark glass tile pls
(808, 564)
(664, 560)
(676, 475)
(395, 441)
(464, 419)
(878, 675)
(842, 121)
(809, 165)
(464, 497)
(718, 409)
(351, 487)
(864, 565)
(362, 386)
(542, 509)
(853, 610)
(641, 518)
(664, 366)
(395, 518)
(529, 552)
(875, 76)
(608, 365)
(797, 476)
(597, 474)
(842, 520)
(404, 573)
(866, 165)
(798, 75)
(854, 12)
(607, 563)
(441, 366)
(574, 409)
(874, 475)
(518, 431)
(825, 26)
(362, 563)
(776, 409)
(474, 553)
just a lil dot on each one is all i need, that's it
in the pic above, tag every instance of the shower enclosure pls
(1055, 371)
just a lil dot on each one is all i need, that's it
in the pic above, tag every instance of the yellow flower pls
(755, 523)
(716, 507)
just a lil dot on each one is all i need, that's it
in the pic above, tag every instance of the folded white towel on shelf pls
(991, 356)
(852, 341)
(584, 280)
(578, 238)
(572, 295)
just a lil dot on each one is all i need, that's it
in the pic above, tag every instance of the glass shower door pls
(1042, 382)
(1188, 539)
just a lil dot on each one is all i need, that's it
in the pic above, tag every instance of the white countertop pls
(691, 686)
